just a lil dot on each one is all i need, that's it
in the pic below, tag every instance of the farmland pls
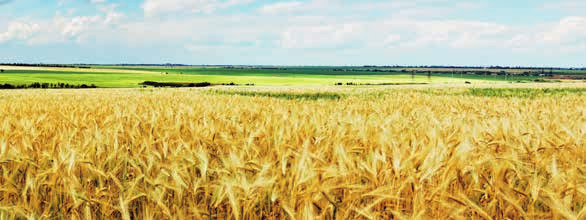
(292, 109)
(404, 152)
(130, 77)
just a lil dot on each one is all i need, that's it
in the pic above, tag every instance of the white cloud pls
(567, 30)
(281, 7)
(462, 34)
(78, 24)
(158, 7)
(325, 36)
(318, 25)
(19, 30)
(309, 25)
(395, 33)
(62, 28)
(391, 39)
(564, 36)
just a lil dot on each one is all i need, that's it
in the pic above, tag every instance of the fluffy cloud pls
(60, 28)
(393, 33)
(298, 27)
(293, 31)
(566, 36)
(568, 30)
(20, 30)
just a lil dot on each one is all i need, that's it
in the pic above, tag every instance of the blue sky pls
(296, 32)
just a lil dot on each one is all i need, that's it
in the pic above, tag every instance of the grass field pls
(130, 77)
(303, 152)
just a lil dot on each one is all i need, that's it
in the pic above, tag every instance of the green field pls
(130, 77)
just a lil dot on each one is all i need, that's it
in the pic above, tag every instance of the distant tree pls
(35, 85)
(1, 70)
(6, 86)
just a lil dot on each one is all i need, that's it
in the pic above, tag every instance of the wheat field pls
(192, 154)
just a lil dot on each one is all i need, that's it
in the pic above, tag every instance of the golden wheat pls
(176, 154)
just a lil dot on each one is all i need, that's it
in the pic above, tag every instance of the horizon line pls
(303, 65)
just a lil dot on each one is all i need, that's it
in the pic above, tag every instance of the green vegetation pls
(570, 72)
(524, 92)
(130, 77)
(106, 79)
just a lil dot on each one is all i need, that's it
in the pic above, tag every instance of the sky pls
(295, 32)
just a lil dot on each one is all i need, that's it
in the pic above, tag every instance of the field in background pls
(130, 77)
(409, 152)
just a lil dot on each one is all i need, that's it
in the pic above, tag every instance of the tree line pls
(37, 85)
(193, 84)
(467, 72)
(477, 67)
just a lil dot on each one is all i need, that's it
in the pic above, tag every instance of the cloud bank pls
(298, 32)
